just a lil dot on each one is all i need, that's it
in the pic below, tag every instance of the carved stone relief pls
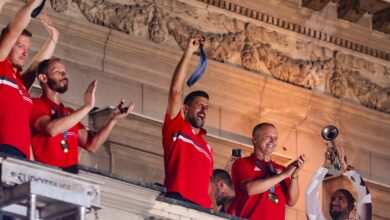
(251, 46)
(59, 5)
(353, 10)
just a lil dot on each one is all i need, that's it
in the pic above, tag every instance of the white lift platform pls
(33, 191)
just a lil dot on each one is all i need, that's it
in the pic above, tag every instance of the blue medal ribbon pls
(272, 169)
(198, 73)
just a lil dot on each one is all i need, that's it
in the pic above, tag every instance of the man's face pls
(265, 140)
(196, 113)
(57, 78)
(19, 52)
(338, 205)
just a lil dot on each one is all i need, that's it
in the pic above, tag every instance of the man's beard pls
(192, 120)
(54, 85)
(337, 214)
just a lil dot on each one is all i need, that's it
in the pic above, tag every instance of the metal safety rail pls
(34, 191)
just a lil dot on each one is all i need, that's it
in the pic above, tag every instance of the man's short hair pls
(25, 32)
(191, 96)
(219, 174)
(261, 126)
(44, 65)
(349, 196)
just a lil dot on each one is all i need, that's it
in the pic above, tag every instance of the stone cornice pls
(297, 28)
(253, 45)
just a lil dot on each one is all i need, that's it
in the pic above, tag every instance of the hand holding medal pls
(38, 9)
(198, 73)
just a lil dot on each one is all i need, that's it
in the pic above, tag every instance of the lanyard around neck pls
(269, 172)
(57, 112)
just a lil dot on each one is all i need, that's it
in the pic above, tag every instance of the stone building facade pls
(298, 64)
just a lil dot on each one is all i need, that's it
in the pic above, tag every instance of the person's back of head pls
(222, 175)
(223, 189)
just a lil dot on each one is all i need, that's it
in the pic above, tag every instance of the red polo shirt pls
(188, 160)
(257, 206)
(48, 149)
(15, 109)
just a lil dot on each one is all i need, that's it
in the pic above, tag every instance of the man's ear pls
(253, 140)
(185, 109)
(42, 77)
(220, 184)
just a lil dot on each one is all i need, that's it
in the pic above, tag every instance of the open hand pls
(89, 95)
(120, 111)
(48, 24)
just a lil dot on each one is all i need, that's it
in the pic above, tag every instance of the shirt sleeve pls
(364, 207)
(242, 172)
(313, 207)
(169, 128)
(39, 109)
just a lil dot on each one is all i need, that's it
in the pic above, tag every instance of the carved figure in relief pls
(157, 32)
(248, 57)
(337, 84)
(59, 5)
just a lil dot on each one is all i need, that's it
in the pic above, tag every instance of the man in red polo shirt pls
(263, 187)
(56, 129)
(221, 186)
(16, 103)
(188, 159)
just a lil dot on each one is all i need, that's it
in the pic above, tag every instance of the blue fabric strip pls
(272, 169)
(198, 73)
(58, 115)
(38, 9)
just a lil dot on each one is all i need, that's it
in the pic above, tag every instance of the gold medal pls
(64, 145)
(273, 197)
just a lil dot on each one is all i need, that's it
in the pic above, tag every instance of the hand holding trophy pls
(334, 154)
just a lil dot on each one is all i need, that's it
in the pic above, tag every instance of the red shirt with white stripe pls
(15, 109)
(188, 160)
(48, 149)
(257, 206)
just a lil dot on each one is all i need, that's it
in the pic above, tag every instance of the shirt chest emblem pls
(256, 169)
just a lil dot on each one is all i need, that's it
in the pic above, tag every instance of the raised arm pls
(364, 204)
(46, 52)
(2, 3)
(92, 141)
(293, 189)
(313, 206)
(16, 26)
(174, 99)
(57, 126)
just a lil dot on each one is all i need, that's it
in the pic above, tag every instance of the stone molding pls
(300, 29)
(274, 51)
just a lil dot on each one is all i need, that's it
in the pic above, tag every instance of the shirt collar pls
(53, 104)
(10, 66)
(254, 158)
